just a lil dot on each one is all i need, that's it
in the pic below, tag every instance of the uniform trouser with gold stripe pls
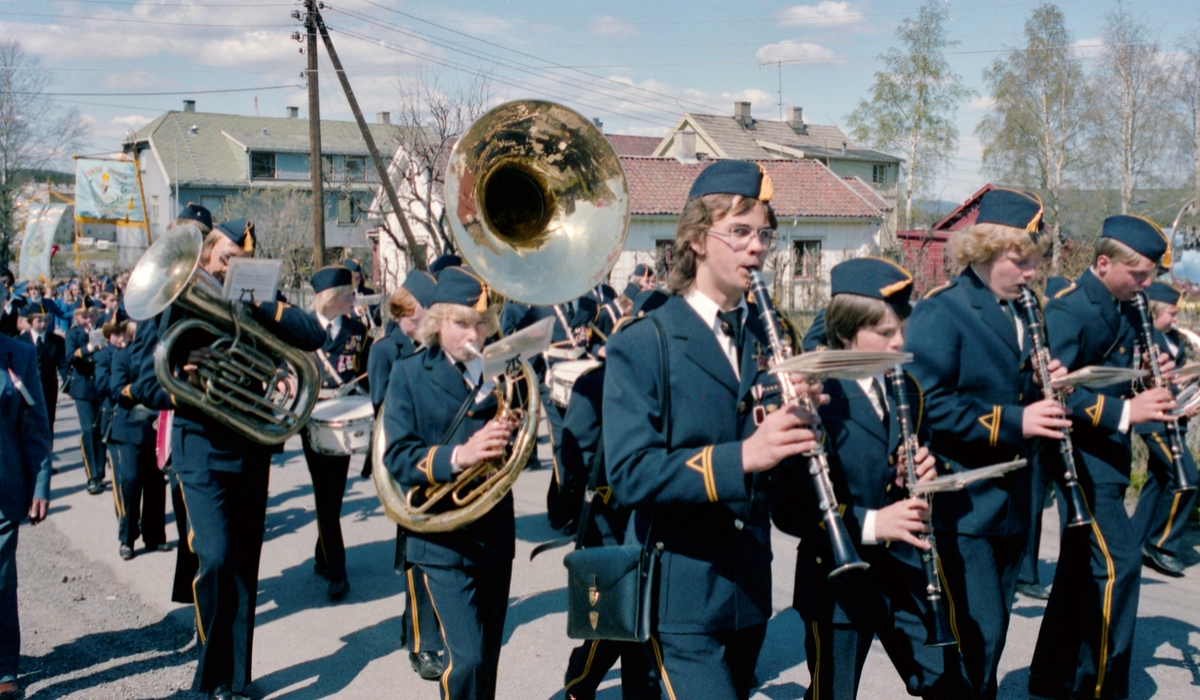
(471, 603)
(139, 494)
(1086, 640)
(226, 514)
(10, 626)
(94, 456)
(328, 474)
(420, 626)
(1162, 514)
(186, 564)
(981, 577)
(590, 662)
(713, 666)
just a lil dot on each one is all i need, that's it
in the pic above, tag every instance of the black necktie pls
(731, 326)
(39, 344)
(462, 369)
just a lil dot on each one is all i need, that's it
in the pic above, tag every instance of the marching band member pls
(51, 356)
(1161, 515)
(407, 307)
(139, 490)
(82, 388)
(867, 311)
(1086, 639)
(341, 358)
(368, 315)
(689, 481)
(971, 358)
(223, 476)
(466, 571)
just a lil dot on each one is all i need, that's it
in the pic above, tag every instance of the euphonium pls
(254, 382)
(845, 556)
(937, 626)
(538, 206)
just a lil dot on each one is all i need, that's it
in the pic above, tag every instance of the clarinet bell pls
(937, 624)
(1077, 511)
(845, 557)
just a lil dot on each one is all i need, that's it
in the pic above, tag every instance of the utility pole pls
(316, 163)
(380, 166)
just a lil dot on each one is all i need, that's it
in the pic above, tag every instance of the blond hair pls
(698, 216)
(402, 304)
(1116, 251)
(982, 242)
(431, 323)
(325, 298)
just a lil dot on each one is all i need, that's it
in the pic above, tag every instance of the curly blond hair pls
(980, 243)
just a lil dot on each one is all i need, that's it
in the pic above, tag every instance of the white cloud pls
(823, 14)
(788, 50)
(131, 121)
(981, 103)
(1088, 48)
(612, 27)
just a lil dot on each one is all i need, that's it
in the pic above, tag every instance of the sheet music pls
(252, 279)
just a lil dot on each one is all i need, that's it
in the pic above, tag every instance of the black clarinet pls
(937, 626)
(1174, 438)
(845, 556)
(1077, 510)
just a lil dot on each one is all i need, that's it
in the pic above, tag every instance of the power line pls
(129, 20)
(150, 94)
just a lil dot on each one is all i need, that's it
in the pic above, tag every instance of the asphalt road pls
(306, 647)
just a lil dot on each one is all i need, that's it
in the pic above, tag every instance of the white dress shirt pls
(708, 309)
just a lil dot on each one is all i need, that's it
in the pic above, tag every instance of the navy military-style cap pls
(1056, 284)
(421, 285)
(1163, 292)
(240, 231)
(32, 308)
(195, 212)
(632, 290)
(648, 301)
(330, 277)
(352, 265)
(109, 287)
(1011, 208)
(1144, 236)
(733, 177)
(444, 262)
(457, 285)
(872, 277)
(643, 271)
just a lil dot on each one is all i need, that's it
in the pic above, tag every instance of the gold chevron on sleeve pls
(991, 421)
(425, 466)
(1094, 412)
(702, 462)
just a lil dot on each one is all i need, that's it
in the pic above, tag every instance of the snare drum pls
(341, 426)
(561, 376)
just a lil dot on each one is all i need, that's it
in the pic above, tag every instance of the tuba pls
(254, 383)
(538, 206)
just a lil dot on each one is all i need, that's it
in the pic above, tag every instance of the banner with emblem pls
(41, 223)
(107, 190)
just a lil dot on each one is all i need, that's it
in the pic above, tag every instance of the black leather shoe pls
(427, 664)
(161, 547)
(338, 590)
(1033, 590)
(95, 487)
(224, 693)
(127, 552)
(1162, 562)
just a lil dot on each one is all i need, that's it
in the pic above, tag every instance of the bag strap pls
(585, 515)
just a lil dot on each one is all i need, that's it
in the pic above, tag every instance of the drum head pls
(343, 408)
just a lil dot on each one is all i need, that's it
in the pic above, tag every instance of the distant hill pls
(55, 177)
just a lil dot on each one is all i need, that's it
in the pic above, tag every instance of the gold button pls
(738, 524)
(1020, 397)
(818, 560)
(741, 406)
(891, 460)
(1121, 350)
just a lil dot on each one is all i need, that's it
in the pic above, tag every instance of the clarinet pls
(845, 557)
(937, 625)
(1174, 439)
(1077, 511)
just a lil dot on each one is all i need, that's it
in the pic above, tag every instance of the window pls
(879, 174)
(348, 211)
(262, 165)
(328, 167)
(807, 259)
(154, 209)
(355, 167)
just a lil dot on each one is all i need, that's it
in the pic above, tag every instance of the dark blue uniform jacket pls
(977, 381)
(132, 424)
(383, 356)
(82, 366)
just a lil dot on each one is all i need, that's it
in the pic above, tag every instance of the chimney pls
(599, 124)
(843, 148)
(741, 112)
(293, 112)
(685, 146)
(795, 117)
(189, 105)
(383, 117)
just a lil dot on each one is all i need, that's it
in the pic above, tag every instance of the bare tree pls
(282, 223)
(1187, 94)
(1033, 136)
(913, 101)
(431, 119)
(34, 132)
(1131, 129)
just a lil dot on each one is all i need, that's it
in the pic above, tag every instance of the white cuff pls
(868, 528)
(1123, 427)
(454, 466)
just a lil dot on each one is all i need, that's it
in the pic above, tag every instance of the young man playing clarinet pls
(687, 457)
(1086, 640)
(971, 357)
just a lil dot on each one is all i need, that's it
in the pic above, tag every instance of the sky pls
(637, 66)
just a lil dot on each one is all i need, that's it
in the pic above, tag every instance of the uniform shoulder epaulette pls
(1066, 291)
(939, 289)
(625, 322)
